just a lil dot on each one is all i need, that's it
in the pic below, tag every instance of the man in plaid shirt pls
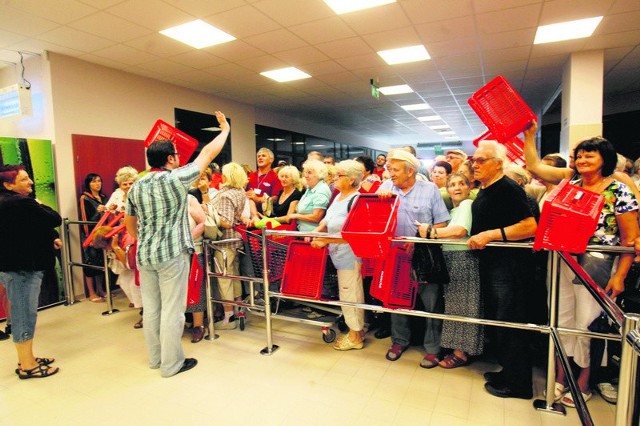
(157, 216)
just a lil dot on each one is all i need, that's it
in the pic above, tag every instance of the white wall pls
(71, 96)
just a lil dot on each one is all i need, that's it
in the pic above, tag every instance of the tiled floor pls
(104, 380)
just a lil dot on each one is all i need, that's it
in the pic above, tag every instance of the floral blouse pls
(618, 199)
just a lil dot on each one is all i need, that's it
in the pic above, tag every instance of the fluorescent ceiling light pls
(286, 74)
(396, 90)
(346, 6)
(405, 54)
(566, 30)
(275, 139)
(197, 34)
(415, 107)
(439, 127)
(430, 118)
(448, 132)
(452, 137)
(212, 129)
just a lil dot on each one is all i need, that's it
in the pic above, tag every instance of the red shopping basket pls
(515, 147)
(369, 265)
(185, 144)
(501, 109)
(569, 218)
(370, 225)
(392, 282)
(304, 270)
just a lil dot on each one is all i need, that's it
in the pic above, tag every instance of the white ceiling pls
(470, 42)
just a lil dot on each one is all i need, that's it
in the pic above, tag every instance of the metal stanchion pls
(549, 404)
(66, 267)
(270, 348)
(107, 286)
(210, 327)
(628, 371)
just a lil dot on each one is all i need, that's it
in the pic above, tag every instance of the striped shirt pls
(159, 201)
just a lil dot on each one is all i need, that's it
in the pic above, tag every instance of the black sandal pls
(40, 361)
(38, 372)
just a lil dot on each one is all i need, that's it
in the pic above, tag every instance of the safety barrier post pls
(107, 285)
(66, 258)
(628, 371)
(549, 404)
(207, 267)
(270, 348)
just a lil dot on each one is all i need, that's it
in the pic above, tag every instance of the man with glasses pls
(501, 212)
(455, 157)
(156, 214)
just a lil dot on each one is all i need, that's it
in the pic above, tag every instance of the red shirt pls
(379, 172)
(267, 183)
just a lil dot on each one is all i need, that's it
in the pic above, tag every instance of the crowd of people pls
(478, 199)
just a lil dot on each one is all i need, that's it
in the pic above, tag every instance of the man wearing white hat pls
(455, 157)
(420, 202)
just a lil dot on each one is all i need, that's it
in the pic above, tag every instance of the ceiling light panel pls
(346, 6)
(405, 54)
(566, 30)
(286, 74)
(439, 127)
(396, 90)
(416, 107)
(430, 118)
(197, 34)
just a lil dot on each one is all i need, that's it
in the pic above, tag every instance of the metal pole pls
(270, 348)
(207, 262)
(66, 258)
(628, 370)
(107, 285)
(549, 403)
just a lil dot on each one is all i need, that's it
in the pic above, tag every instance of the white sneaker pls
(608, 392)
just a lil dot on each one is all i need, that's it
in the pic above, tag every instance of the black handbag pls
(428, 264)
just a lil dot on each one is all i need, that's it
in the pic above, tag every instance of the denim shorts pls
(23, 290)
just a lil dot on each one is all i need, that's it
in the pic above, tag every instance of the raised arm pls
(535, 165)
(213, 148)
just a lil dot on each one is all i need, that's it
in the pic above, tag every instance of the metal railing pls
(69, 263)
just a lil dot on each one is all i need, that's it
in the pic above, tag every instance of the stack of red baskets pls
(504, 113)
(568, 219)
(185, 144)
(392, 283)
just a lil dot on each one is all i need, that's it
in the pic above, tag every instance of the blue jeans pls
(164, 297)
(23, 291)
(431, 296)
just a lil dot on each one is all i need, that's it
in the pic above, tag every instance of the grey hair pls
(353, 169)
(499, 150)
(268, 152)
(519, 173)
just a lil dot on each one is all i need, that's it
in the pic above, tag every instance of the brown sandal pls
(138, 324)
(453, 361)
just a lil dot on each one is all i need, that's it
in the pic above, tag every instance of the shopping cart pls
(284, 260)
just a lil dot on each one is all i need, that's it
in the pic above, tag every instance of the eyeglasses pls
(175, 154)
(339, 176)
(480, 161)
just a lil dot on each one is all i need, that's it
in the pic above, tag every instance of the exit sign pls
(375, 89)
(438, 150)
